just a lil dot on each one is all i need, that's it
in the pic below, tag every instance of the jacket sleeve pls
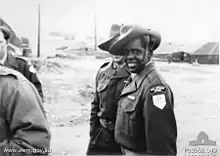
(160, 122)
(31, 75)
(94, 119)
(26, 120)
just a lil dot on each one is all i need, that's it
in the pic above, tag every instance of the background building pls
(207, 54)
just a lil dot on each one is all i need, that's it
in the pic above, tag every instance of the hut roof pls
(210, 48)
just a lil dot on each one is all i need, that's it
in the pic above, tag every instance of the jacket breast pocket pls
(127, 117)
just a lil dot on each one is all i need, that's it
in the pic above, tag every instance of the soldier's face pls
(117, 58)
(2, 44)
(135, 55)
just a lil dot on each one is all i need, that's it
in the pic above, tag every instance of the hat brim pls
(4, 28)
(107, 44)
(136, 31)
(14, 40)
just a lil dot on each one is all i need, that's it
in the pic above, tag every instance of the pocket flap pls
(129, 105)
(102, 86)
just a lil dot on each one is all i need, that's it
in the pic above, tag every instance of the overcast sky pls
(176, 20)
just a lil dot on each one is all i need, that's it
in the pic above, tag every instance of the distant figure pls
(181, 56)
(86, 49)
(169, 59)
(195, 63)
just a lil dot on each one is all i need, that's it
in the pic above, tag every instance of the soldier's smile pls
(132, 63)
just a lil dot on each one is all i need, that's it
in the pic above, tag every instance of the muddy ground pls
(68, 86)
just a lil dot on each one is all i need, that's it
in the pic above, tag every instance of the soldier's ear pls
(149, 53)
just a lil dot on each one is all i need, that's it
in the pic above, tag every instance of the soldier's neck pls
(118, 65)
(133, 75)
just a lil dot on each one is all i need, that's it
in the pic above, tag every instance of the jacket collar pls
(138, 79)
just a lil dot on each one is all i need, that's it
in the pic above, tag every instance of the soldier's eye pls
(126, 51)
(136, 51)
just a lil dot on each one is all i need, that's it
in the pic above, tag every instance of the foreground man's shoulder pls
(10, 74)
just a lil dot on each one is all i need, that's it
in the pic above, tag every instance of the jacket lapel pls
(132, 87)
(137, 81)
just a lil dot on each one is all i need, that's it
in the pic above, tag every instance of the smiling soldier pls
(146, 121)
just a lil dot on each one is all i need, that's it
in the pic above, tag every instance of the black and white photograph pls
(109, 77)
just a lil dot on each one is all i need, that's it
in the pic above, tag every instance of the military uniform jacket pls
(109, 84)
(23, 123)
(26, 69)
(145, 119)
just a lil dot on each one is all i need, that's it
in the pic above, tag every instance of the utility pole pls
(95, 32)
(38, 34)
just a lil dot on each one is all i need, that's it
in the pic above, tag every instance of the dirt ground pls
(69, 84)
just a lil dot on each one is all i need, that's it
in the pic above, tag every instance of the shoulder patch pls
(158, 93)
(158, 89)
(159, 100)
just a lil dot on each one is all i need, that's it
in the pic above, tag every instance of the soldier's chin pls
(132, 67)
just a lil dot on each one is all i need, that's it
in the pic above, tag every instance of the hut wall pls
(206, 59)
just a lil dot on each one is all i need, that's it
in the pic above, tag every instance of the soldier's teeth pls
(132, 64)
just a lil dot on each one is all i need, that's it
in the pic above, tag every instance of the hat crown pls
(128, 32)
(126, 29)
(115, 30)
(3, 26)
